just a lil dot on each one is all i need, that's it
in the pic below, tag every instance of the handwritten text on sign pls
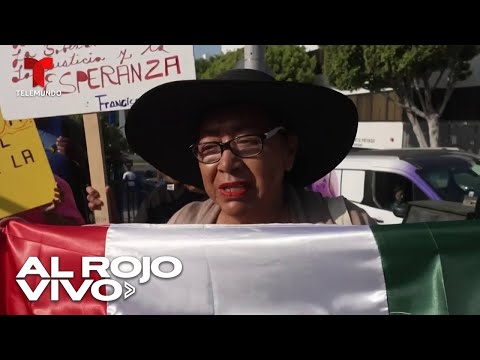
(87, 78)
(26, 180)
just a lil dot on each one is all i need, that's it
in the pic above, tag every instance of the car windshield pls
(452, 176)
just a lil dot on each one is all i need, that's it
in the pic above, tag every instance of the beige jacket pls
(304, 207)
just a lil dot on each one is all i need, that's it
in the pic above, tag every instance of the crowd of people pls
(240, 149)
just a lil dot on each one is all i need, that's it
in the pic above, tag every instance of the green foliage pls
(288, 62)
(218, 64)
(291, 63)
(344, 66)
(201, 65)
(373, 67)
(115, 146)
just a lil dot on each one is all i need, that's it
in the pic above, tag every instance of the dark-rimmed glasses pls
(244, 146)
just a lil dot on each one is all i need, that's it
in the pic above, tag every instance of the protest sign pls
(52, 80)
(26, 180)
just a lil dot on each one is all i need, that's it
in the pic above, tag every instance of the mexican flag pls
(403, 269)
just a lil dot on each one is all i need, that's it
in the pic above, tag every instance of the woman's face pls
(248, 190)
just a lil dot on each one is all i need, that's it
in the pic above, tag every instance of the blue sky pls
(199, 50)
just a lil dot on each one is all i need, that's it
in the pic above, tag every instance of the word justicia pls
(122, 267)
(41, 93)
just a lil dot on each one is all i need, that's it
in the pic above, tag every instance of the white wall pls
(379, 135)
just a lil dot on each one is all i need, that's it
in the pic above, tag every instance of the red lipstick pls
(234, 189)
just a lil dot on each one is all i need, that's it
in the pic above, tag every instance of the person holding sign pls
(61, 211)
(252, 143)
(63, 141)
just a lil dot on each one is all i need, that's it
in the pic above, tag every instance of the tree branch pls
(449, 90)
(447, 96)
(419, 94)
(405, 104)
(422, 141)
(392, 99)
(428, 93)
(407, 92)
(415, 110)
(438, 80)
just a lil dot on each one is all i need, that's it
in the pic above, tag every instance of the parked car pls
(377, 180)
(439, 210)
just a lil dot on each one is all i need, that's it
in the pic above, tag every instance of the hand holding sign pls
(57, 200)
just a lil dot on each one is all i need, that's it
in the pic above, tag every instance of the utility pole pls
(254, 57)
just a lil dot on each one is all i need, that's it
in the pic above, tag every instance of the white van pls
(369, 177)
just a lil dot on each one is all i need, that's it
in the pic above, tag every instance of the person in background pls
(129, 176)
(160, 204)
(63, 141)
(327, 186)
(131, 189)
(49, 130)
(399, 201)
(166, 199)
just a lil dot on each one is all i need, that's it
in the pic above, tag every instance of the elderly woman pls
(252, 143)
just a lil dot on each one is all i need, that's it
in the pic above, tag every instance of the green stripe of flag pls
(431, 268)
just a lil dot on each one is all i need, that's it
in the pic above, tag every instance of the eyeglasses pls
(244, 146)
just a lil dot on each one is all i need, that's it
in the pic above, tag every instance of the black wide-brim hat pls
(164, 122)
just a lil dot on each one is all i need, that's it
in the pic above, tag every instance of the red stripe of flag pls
(19, 240)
